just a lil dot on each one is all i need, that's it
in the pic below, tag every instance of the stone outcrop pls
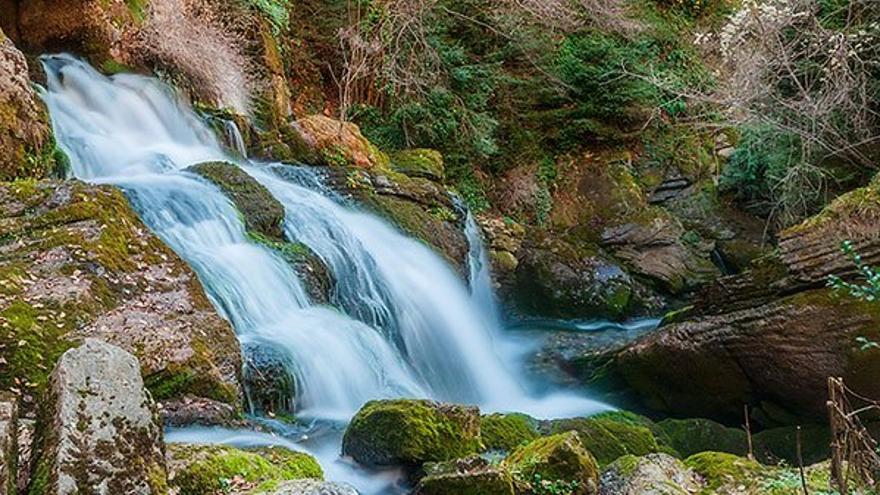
(99, 429)
(313, 487)
(77, 262)
(769, 337)
(339, 143)
(27, 148)
(655, 474)
(411, 432)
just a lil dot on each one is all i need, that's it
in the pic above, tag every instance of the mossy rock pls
(411, 432)
(720, 468)
(469, 476)
(199, 470)
(691, 436)
(655, 474)
(506, 432)
(424, 163)
(261, 211)
(780, 444)
(611, 435)
(557, 458)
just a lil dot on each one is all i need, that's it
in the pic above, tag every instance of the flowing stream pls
(402, 323)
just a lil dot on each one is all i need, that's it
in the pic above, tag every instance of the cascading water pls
(407, 326)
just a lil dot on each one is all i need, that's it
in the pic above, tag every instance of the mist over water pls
(403, 324)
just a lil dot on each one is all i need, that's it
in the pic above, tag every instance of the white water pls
(406, 327)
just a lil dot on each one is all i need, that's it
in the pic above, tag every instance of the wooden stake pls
(800, 459)
(748, 431)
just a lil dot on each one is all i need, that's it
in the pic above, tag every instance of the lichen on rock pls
(99, 430)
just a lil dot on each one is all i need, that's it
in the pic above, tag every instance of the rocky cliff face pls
(770, 337)
(76, 262)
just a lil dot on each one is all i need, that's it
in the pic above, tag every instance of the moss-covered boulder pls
(313, 487)
(340, 143)
(79, 263)
(506, 432)
(691, 436)
(555, 460)
(424, 163)
(655, 474)
(719, 469)
(410, 432)
(727, 474)
(8, 443)
(262, 213)
(469, 476)
(610, 435)
(197, 470)
(27, 148)
(780, 444)
(99, 427)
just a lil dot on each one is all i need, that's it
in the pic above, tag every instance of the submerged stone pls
(99, 430)
(556, 460)
(410, 432)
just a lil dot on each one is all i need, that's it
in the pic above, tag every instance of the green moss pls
(411, 432)
(191, 377)
(611, 435)
(262, 212)
(555, 458)
(507, 431)
(691, 436)
(777, 444)
(425, 163)
(469, 476)
(718, 468)
(209, 469)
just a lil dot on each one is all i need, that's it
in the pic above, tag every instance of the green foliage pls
(868, 290)
(540, 486)
(275, 11)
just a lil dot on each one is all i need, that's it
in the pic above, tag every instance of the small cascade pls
(402, 323)
(233, 138)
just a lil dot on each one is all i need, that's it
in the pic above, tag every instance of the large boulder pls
(769, 337)
(653, 474)
(695, 435)
(556, 460)
(27, 148)
(77, 262)
(198, 469)
(99, 428)
(340, 143)
(425, 163)
(411, 432)
(469, 476)
(8, 444)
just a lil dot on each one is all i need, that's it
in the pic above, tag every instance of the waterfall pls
(402, 323)
(233, 138)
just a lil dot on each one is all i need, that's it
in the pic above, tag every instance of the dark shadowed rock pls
(99, 430)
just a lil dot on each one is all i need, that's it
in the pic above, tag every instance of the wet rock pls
(263, 214)
(313, 487)
(270, 387)
(27, 148)
(77, 263)
(471, 475)
(201, 469)
(691, 436)
(502, 239)
(8, 444)
(191, 410)
(556, 459)
(410, 432)
(99, 430)
(506, 432)
(340, 143)
(653, 474)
